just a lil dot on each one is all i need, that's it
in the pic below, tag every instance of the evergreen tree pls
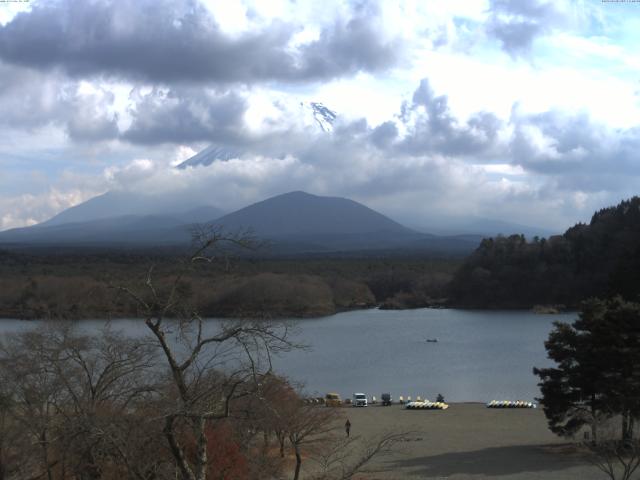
(598, 368)
(598, 259)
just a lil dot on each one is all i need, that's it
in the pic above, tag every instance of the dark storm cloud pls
(88, 120)
(384, 134)
(346, 48)
(516, 23)
(184, 115)
(436, 130)
(85, 127)
(29, 100)
(167, 41)
(516, 36)
(583, 154)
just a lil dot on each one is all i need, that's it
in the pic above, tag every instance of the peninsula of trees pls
(600, 259)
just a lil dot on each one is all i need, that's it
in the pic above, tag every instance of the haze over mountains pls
(298, 220)
(122, 203)
(294, 222)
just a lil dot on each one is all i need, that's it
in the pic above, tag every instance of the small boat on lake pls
(431, 340)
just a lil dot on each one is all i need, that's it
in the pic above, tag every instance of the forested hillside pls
(598, 259)
(75, 284)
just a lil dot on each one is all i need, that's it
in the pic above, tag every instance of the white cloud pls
(571, 104)
(502, 168)
(8, 10)
(28, 209)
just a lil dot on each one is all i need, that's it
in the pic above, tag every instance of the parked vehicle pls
(332, 400)
(386, 399)
(359, 400)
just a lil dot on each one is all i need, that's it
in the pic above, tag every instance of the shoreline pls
(5, 316)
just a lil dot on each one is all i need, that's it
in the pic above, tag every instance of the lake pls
(479, 355)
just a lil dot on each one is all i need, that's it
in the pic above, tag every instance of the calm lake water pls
(479, 355)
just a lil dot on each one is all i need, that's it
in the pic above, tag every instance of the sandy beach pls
(470, 441)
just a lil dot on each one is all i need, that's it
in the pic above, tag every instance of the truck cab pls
(359, 400)
(386, 399)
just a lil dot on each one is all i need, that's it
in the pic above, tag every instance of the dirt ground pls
(470, 441)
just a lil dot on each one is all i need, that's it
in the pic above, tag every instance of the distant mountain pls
(118, 203)
(91, 223)
(485, 227)
(298, 221)
(295, 222)
(201, 214)
(122, 230)
(303, 214)
(491, 227)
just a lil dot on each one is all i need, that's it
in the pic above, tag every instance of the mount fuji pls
(209, 155)
(121, 203)
(294, 222)
(313, 113)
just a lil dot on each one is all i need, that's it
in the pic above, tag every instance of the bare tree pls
(347, 457)
(114, 378)
(615, 457)
(315, 432)
(310, 426)
(32, 392)
(77, 398)
(10, 436)
(210, 365)
(618, 459)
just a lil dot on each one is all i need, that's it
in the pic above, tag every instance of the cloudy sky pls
(520, 110)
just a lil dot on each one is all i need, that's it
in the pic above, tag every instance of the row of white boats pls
(420, 404)
(426, 405)
(510, 404)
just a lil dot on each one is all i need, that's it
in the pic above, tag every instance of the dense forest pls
(595, 260)
(74, 285)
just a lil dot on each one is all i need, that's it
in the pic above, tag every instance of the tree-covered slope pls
(598, 259)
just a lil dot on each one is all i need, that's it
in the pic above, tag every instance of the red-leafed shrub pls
(226, 460)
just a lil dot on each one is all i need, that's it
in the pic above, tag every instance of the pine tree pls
(598, 368)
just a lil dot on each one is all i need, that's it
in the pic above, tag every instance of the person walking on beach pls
(347, 426)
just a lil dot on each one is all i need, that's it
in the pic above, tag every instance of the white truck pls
(359, 400)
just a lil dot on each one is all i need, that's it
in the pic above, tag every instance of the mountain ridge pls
(301, 213)
(294, 222)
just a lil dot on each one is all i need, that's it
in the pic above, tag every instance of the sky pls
(522, 111)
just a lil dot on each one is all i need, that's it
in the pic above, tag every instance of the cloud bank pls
(100, 95)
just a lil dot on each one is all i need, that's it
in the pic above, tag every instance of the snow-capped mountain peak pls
(209, 155)
(313, 112)
(323, 116)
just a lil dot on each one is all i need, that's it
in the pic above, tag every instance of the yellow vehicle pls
(332, 400)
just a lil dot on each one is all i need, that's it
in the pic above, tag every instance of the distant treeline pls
(595, 260)
(71, 285)
(600, 259)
